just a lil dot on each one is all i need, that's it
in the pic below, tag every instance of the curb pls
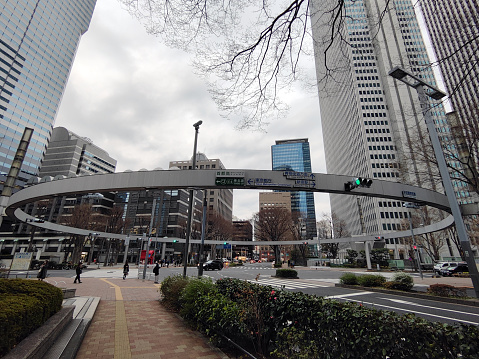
(413, 294)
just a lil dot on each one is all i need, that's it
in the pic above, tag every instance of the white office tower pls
(453, 27)
(371, 122)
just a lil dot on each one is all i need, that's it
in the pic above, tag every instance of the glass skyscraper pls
(38, 42)
(295, 155)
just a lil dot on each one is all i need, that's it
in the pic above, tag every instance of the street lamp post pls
(415, 82)
(190, 204)
(203, 229)
(416, 252)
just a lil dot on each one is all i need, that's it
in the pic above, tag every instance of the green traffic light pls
(358, 181)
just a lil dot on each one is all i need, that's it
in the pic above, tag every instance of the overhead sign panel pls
(304, 184)
(229, 181)
(226, 173)
(299, 175)
(409, 194)
(266, 182)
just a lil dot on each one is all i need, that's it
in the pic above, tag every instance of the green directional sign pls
(229, 181)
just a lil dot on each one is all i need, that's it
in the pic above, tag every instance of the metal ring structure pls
(128, 181)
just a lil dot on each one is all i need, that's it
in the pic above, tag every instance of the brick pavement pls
(130, 323)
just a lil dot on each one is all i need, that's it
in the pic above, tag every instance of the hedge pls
(286, 273)
(24, 306)
(283, 324)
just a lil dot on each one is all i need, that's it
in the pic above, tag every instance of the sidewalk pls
(130, 323)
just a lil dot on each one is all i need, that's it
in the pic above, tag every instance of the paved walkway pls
(130, 323)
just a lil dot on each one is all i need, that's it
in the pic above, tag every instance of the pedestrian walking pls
(156, 271)
(79, 270)
(42, 272)
(126, 269)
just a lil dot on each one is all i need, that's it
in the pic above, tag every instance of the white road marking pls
(415, 312)
(428, 306)
(286, 284)
(346, 295)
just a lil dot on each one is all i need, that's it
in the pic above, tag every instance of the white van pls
(439, 266)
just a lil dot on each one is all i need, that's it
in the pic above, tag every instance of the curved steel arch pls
(220, 179)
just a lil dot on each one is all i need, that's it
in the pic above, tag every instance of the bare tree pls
(460, 154)
(273, 224)
(333, 227)
(219, 228)
(431, 243)
(80, 217)
(298, 228)
(114, 224)
(250, 50)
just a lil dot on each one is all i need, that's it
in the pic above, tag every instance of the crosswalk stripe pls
(286, 284)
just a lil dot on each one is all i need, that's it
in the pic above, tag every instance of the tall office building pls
(219, 201)
(38, 42)
(294, 155)
(370, 121)
(70, 154)
(268, 201)
(453, 27)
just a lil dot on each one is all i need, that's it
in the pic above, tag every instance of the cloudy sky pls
(138, 100)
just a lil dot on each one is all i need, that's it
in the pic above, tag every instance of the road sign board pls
(229, 181)
(299, 175)
(228, 173)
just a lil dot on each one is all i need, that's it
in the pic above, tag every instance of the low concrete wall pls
(68, 292)
(36, 344)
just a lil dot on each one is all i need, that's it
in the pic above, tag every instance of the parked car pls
(213, 264)
(440, 266)
(457, 269)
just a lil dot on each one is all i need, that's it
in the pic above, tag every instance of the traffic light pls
(357, 182)
(415, 247)
(175, 240)
(305, 242)
(363, 182)
(225, 243)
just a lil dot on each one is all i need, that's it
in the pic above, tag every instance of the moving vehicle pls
(440, 266)
(213, 264)
(457, 269)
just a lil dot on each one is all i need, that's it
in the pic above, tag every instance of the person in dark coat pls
(126, 269)
(78, 269)
(42, 272)
(156, 271)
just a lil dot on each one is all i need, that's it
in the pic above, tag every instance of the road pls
(316, 282)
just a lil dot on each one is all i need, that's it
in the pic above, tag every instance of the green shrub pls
(277, 265)
(349, 279)
(445, 290)
(194, 288)
(402, 281)
(24, 306)
(371, 280)
(283, 324)
(286, 273)
(171, 288)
